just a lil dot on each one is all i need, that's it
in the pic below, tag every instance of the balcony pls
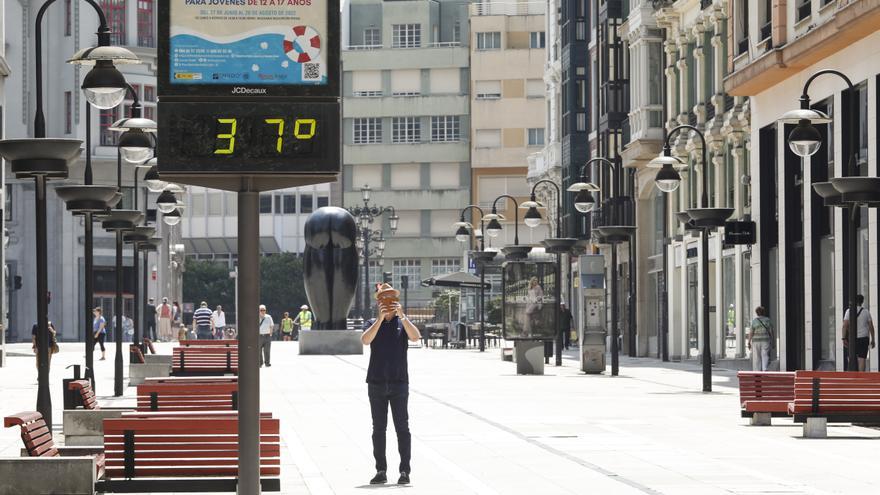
(543, 161)
(507, 8)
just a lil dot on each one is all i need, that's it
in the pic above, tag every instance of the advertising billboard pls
(529, 300)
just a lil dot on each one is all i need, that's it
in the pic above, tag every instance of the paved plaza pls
(479, 428)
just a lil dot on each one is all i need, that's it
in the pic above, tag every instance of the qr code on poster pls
(311, 72)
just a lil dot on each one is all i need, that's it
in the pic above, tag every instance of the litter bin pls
(593, 352)
(72, 398)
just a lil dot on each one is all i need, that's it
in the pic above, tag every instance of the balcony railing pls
(363, 47)
(507, 8)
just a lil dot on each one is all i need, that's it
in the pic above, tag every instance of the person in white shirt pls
(267, 327)
(864, 331)
(219, 319)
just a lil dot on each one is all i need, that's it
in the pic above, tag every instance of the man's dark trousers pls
(203, 332)
(381, 396)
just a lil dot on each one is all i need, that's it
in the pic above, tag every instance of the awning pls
(461, 280)
(226, 245)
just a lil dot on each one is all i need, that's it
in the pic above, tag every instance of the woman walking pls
(761, 339)
(99, 328)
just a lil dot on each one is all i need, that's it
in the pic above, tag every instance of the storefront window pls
(745, 313)
(728, 287)
(693, 301)
(827, 311)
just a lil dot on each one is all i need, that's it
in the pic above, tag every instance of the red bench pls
(821, 397)
(213, 396)
(204, 360)
(37, 439)
(764, 394)
(209, 342)
(86, 393)
(183, 454)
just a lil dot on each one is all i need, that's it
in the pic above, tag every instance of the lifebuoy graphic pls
(302, 44)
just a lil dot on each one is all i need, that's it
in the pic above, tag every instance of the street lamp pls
(365, 216)
(481, 257)
(154, 183)
(494, 227)
(166, 202)
(171, 218)
(851, 191)
(703, 218)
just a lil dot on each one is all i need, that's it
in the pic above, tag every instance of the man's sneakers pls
(379, 479)
(404, 479)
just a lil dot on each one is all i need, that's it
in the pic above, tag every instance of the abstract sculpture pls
(330, 266)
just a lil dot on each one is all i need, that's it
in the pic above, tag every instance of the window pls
(406, 130)
(375, 273)
(537, 39)
(489, 41)
(411, 268)
(765, 9)
(536, 136)
(406, 82)
(445, 81)
(306, 204)
(149, 93)
(370, 175)
(145, 22)
(490, 187)
(372, 37)
(231, 204)
(114, 10)
(444, 266)
(68, 112)
(108, 117)
(265, 203)
(406, 35)
(215, 203)
(277, 203)
(456, 32)
(488, 138)
(534, 88)
(487, 90)
(803, 9)
(367, 130)
(323, 201)
(742, 26)
(410, 223)
(445, 128)
(197, 204)
(289, 204)
(7, 203)
(445, 175)
(68, 17)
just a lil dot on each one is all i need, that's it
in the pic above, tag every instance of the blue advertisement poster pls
(249, 42)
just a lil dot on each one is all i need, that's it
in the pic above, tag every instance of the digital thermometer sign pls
(253, 138)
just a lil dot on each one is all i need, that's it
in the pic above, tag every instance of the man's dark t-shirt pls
(565, 318)
(388, 353)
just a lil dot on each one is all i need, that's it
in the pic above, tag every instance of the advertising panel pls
(529, 300)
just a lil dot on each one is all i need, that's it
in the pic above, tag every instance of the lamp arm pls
(704, 198)
(103, 40)
(805, 98)
(558, 202)
(482, 229)
(135, 101)
(515, 216)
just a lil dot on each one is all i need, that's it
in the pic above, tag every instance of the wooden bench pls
(86, 393)
(204, 360)
(822, 397)
(190, 379)
(38, 442)
(209, 343)
(183, 454)
(137, 356)
(211, 396)
(764, 394)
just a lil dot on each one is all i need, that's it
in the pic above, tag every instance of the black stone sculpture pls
(330, 266)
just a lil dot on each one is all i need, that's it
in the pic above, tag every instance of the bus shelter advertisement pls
(252, 42)
(529, 306)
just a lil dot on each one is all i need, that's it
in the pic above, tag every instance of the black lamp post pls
(481, 257)
(365, 216)
(584, 202)
(515, 251)
(42, 159)
(558, 245)
(851, 191)
(703, 218)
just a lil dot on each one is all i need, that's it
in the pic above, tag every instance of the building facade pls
(406, 129)
(797, 266)
(4, 73)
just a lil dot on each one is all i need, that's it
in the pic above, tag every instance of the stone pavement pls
(479, 428)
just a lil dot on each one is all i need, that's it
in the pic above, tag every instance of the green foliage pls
(493, 311)
(209, 281)
(441, 305)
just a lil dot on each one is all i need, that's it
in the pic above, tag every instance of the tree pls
(209, 281)
(281, 287)
(441, 305)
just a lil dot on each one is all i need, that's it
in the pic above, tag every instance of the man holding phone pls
(388, 336)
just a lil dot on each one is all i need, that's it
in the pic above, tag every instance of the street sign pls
(739, 233)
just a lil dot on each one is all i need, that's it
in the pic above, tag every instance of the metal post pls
(248, 342)
(366, 305)
(482, 306)
(136, 314)
(117, 307)
(707, 344)
(852, 268)
(560, 339)
(144, 282)
(89, 262)
(615, 349)
(44, 398)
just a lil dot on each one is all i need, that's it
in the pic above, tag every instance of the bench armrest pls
(79, 451)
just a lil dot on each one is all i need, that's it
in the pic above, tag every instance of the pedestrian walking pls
(388, 379)
(761, 339)
(267, 328)
(99, 329)
(165, 313)
(150, 319)
(53, 339)
(287, 325)
(304, 318)
(176, 314)
(218, 319)
(565, 318)
(864, 331)
(203, 322)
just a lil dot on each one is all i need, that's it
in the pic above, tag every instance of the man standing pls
(150, 319)
(203, 322)
(164, 314)
(864, 331)
(565, 318)
(267, 327)
(388, 381)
